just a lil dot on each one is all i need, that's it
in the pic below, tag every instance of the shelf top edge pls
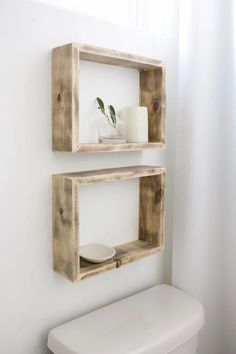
(92, 176)
(114, 57)
(99, 147)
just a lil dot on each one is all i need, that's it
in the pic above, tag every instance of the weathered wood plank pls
(117, 147)
(112, 174)
(65, 216)
(65, 98)
(153, 96)
(151, 209)
(126, 253)
(115, 57)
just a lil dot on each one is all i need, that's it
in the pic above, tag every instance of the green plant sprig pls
(111, 117)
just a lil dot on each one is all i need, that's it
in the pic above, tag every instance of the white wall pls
(33, 298)
(122, 11)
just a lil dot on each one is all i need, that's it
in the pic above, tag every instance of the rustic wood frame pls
(65, 96)
(66, 258)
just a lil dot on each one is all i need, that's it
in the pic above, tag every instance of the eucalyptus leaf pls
(112, 114)
(100, 105)
(112, 110)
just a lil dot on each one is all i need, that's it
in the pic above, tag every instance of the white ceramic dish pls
(97, 253)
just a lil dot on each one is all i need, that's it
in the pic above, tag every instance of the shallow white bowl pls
(97, 253)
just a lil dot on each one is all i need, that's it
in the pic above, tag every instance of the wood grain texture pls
(91, 148)
(151, 209)
(153, 96)
(65, 216)
(115, 57)
(66, 187)
(112, 174)
(65, 98)
(126, 253)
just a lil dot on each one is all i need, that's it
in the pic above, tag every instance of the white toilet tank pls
(159, 320)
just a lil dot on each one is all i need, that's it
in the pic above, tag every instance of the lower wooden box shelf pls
(66, 258)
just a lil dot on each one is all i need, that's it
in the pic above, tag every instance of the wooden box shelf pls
(65, 96)
(66, 257)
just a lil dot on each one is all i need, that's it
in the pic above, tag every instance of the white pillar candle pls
(136, 121)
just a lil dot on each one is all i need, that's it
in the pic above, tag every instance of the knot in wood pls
(155, 103)
(159, 195)
(118, 263)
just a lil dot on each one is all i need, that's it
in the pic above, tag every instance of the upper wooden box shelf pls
(65, 96)
(66, 219)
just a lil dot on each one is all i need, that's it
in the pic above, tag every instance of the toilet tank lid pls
(160, 319)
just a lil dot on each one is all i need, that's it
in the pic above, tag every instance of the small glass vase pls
(108, 134)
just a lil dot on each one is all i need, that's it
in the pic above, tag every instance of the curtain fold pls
(204, 201)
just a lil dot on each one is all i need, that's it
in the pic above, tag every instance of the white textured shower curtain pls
(204, 232)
